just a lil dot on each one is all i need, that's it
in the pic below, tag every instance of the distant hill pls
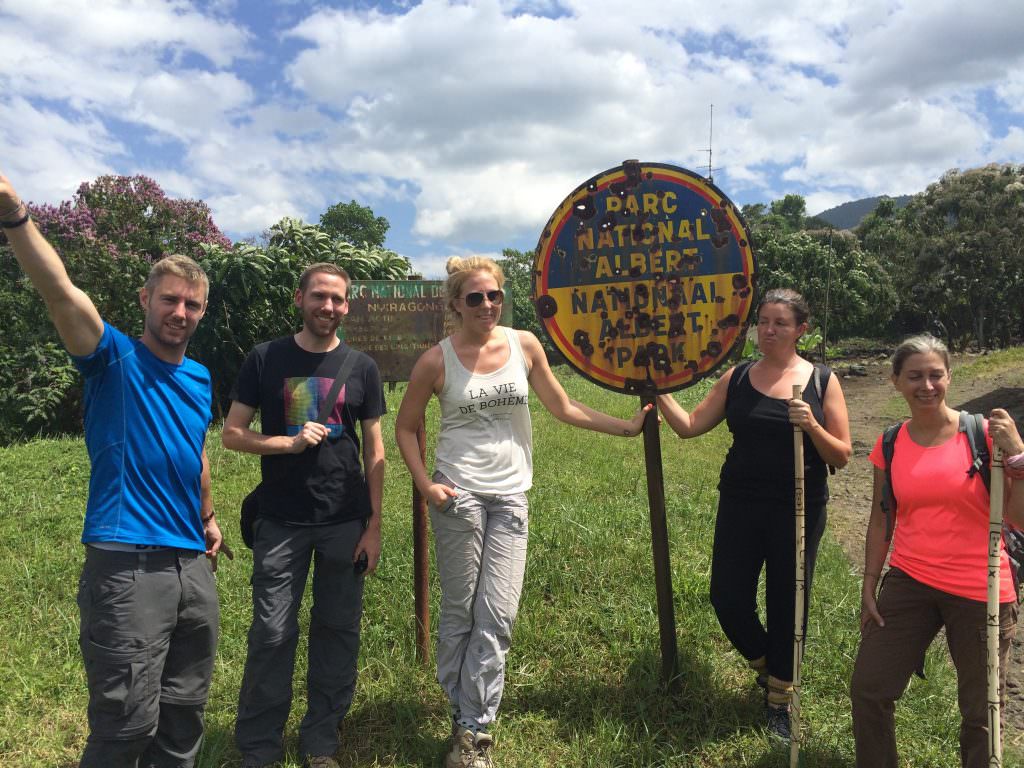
(849, 215)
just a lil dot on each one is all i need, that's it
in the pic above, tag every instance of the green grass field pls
(584, 685)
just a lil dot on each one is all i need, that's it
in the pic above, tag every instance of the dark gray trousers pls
(281, 560)
(148, 636)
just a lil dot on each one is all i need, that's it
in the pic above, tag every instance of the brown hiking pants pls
(914, 613)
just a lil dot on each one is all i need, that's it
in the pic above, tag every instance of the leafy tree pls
(354, 223)
(861, 298)
(965, 266)
(792, 209)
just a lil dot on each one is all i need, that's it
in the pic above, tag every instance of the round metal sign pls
(644, 278)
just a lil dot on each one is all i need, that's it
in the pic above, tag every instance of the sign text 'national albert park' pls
(644, 278)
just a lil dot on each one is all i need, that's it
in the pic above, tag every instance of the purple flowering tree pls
(108, 235)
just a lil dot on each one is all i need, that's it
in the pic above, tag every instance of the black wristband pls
(17, 222)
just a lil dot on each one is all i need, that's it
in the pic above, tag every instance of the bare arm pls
(831, 440)
(72, 311)
(373, 467)
(705, 417)
(237, 436)
(875, 550)
(553, 397)
(214, 538)
(426, 378)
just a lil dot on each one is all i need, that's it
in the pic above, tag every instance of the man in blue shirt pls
(147, 597)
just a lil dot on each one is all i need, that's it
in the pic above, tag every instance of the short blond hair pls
(179, 266)
(459, 270)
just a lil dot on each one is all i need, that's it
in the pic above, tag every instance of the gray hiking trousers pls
(281, 558)
(480, 548)
(148, 636)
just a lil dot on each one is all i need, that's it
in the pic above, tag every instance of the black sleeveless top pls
(759, 464)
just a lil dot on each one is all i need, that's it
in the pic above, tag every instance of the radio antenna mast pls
(709, 150)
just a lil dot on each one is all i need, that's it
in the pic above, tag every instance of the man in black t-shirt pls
(315, 504)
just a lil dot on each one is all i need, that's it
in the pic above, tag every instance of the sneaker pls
(321, 761)
(463, 750)
(484, 742)
(777, 722)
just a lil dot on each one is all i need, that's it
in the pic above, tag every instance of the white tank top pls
(486, 440)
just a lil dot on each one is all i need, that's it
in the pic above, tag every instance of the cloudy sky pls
(466, 123)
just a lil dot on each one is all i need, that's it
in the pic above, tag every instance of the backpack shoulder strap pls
(888, 497)
(821, 377)
(739, 373)
(973, 425)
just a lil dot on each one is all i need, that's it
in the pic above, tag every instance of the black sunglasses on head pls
(476, 298)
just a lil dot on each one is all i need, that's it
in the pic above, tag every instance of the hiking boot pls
(777, 722)
(321, 761)
(463, 750)
(484, 741)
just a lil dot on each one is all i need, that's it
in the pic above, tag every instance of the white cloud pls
(485, 114)
(46, 155)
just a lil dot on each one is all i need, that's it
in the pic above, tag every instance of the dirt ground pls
(868, 396)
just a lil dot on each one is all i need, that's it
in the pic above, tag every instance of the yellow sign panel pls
(644, 278)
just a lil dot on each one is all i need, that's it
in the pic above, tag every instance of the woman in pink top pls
(939, 564)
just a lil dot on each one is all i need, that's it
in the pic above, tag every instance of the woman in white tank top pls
(481, 375)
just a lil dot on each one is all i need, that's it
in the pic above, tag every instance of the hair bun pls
(454, 264)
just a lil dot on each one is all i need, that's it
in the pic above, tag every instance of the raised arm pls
(1004, 433)
(705, 417)
(72, 311)
(427, 376)
(564, 408)
(831, 439)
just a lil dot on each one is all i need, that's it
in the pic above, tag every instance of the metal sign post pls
(643, 280)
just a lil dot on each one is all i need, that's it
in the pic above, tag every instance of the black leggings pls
(750, 535)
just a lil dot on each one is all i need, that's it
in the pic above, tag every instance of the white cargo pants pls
(480, 549)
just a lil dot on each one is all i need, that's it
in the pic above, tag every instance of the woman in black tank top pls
(756, 520)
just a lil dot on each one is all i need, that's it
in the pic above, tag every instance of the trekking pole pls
(801, 584)
(995, 533)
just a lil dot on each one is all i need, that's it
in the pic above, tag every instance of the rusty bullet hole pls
(714, 348)
(592, 186)
(546, 306)
(739, 281)
(743, 243)
(584, 209)
(604, 315)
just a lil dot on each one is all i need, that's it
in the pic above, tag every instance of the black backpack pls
(973, 425)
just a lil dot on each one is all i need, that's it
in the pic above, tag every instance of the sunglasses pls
(476, 298)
